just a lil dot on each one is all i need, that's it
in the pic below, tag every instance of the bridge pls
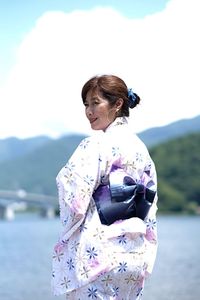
(12, 201)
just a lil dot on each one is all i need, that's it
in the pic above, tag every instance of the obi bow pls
(122, 198)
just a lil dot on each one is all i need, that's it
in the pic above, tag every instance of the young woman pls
(92, 259)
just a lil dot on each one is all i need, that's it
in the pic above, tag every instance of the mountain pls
(13, 147)
(36, 170)
(32, 164)
(177, 162)
(157, 135)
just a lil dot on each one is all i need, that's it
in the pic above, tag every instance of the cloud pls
(158, 56)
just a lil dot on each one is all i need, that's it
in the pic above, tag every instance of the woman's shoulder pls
(125, 135)
(89, 142)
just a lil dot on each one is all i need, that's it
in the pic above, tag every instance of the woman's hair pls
(111, 88)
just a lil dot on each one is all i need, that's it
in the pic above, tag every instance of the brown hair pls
(111, 88)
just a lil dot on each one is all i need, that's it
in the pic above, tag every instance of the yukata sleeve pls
(151, 223)
(151, 237)
(76, 182)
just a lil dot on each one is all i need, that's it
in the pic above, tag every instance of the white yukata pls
(92, 260)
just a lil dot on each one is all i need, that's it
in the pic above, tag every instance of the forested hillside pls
(177, 162)
(36, 170)
(13, 147)
(158, 135)
(178, 171)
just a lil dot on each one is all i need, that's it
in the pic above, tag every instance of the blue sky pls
(48, 49)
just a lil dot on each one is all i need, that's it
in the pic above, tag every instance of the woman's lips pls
(93, 120)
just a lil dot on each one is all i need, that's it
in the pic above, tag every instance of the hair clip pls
(132, 97)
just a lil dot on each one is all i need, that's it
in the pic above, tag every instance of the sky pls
(49, 49)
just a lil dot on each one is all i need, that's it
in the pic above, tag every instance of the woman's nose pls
(89, 111)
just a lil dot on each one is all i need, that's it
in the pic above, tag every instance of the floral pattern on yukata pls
(91, 258)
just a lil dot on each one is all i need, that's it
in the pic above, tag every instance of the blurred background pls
(48, 49)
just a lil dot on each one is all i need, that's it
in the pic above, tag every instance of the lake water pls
(26, 245)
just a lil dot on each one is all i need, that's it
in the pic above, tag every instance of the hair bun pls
(133, 98)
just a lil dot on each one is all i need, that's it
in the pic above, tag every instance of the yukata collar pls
(117, 122)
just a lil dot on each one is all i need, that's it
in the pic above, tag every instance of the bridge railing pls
(47, 204)
(21, 195)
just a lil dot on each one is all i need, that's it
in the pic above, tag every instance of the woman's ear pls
(119, 104)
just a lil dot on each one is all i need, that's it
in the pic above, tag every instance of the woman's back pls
(92, 249)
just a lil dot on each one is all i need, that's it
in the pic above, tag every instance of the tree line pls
(177, 162)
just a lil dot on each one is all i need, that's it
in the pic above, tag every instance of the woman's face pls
(98, 111)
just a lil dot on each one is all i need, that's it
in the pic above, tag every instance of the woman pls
(93, 260)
